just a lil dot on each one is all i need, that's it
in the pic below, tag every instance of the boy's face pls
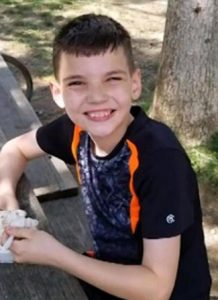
(97, 92)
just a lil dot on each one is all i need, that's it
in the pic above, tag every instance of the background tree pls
(186, 96)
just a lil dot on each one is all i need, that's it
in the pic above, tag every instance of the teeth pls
(99, 114)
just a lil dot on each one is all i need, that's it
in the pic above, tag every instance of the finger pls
(16, 246)
(8, 242)
(19, 232)
(3, 238)
(16, 250)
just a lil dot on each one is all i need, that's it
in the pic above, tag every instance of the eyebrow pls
(72, 77)
(116, 72)
(76, 77)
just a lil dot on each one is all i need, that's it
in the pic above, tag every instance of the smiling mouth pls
(101, 115)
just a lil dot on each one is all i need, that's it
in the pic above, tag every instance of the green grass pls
(205, 161)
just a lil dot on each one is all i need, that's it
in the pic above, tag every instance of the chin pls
(100, 133)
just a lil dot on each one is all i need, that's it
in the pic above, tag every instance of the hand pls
(33, 246)
(3, 238)
(7, 202)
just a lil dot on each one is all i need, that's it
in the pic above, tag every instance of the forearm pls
(12, 165)
(154, 279)
(10, 169)
(125, 281)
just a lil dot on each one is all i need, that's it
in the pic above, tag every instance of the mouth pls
(100, 115)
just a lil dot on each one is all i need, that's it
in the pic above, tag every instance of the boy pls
(139, 190)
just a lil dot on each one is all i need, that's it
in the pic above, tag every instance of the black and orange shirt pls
(145, 188)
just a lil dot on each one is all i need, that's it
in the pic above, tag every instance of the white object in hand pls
(16, 218)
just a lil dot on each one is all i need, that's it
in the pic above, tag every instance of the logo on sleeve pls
(170, 219)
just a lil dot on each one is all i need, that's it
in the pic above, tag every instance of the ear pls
(136, 84)
(56, 94)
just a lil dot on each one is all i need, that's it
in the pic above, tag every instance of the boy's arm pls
(13, 158)
(153, 279)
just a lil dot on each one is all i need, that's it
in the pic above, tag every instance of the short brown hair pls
(91, 34)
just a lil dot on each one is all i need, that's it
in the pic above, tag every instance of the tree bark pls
(186, 96)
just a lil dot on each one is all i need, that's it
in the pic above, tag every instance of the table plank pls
(28, 282)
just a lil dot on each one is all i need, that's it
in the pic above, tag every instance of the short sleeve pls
(167, 195)
(56, 137)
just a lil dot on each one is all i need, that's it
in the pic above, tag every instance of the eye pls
(76, 83)
(114, 78)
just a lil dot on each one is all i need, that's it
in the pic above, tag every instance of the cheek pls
(72, 100)
(125, 98)
(122, 94)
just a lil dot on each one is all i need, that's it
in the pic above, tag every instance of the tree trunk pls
(186, 96)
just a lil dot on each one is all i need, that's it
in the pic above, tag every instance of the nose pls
(96, 94)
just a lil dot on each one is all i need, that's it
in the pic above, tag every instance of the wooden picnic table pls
(61, 214)
(27, 282)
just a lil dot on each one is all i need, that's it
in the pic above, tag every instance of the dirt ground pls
(145, 21)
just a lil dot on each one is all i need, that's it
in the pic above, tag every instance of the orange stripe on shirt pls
(74, 147)
(134, 204)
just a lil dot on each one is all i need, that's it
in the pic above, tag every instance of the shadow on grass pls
(33, 23)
